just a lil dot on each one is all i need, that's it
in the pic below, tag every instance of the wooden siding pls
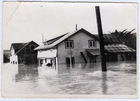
(81, 42)
(28, 55)
(25, 55)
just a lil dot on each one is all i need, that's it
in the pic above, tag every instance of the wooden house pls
(116, 50)
(23, 53)
(79, 46)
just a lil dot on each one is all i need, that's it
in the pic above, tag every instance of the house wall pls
(5, 59)
(12, 51)
(80, 44)
(28, 55)
(46, 56)
(13, 57)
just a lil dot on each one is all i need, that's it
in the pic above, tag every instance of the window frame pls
(91, 44)
(67, 44)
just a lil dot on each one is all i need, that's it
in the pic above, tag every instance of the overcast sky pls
(26, 21)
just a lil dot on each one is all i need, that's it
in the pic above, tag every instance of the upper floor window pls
(69, 44)
(92, 43)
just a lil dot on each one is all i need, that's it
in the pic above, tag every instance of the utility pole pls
(101, 39)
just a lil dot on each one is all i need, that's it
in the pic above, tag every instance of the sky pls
(27, 21)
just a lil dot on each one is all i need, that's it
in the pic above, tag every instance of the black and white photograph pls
(69, 50)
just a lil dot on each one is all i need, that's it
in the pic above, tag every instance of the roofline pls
(15, 43)
(24, 46)
(65, 37)
(77, 32)
(56, 37)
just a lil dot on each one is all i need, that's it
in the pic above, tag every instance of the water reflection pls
(26, 73)
(104, 83)
(77, 79)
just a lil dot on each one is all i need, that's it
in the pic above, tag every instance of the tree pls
(126, 37)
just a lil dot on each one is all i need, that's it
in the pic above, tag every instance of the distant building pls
(116, 50)
(6, 56)
(79, 46)
(23, 53)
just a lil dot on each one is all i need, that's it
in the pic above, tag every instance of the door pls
(68, 60)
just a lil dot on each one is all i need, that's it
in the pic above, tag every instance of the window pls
(92, 43)
(69, 44)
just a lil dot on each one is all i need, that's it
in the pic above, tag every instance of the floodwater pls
(80, 79)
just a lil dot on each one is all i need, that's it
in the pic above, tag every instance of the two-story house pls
(74, 47)
(79, 46)
(23, 53)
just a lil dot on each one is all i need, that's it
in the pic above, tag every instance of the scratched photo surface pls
(69, 50)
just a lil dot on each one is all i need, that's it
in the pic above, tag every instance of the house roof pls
(93, 51)
(17, 46)
(118, 48)
(20, 46)
(114, 48)
(56, 41)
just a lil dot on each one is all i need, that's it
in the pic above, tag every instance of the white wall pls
(13, 57)
(47, 53)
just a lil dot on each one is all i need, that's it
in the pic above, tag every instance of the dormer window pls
(92, 43)
(69, 44)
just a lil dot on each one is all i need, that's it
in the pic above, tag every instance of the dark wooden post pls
(101, 39)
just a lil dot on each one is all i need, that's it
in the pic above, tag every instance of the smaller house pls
(23, 53)
(119, 52)
(6, 56)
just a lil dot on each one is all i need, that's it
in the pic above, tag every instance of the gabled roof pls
(20, 46)
(17, 46)
(114, 48)
(54, 39)
(58, 40)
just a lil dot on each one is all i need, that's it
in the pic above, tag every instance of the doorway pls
(68, 60)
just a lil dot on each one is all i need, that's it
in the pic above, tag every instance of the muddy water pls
(80, 79)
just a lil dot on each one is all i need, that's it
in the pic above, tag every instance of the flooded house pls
(23, 53)
(79, 46)
(6, 56)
